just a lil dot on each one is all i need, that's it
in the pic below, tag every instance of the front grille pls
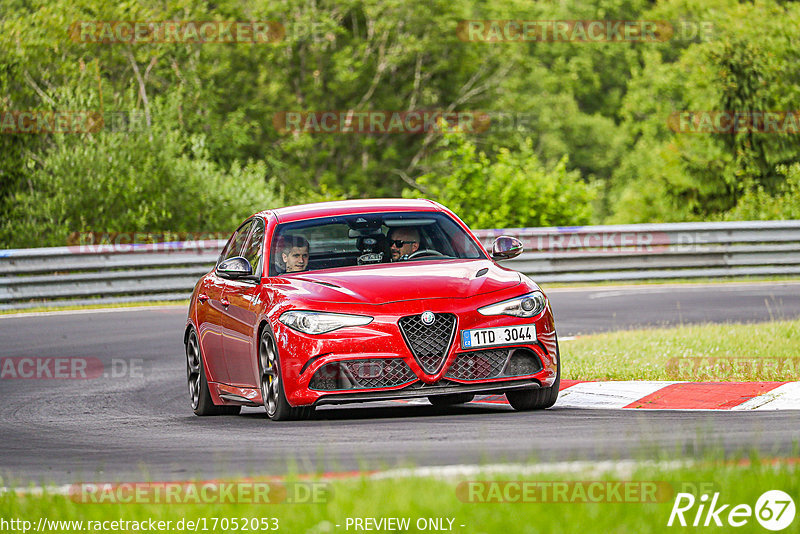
(362, 374)
(478, 365)
(429, 343)
(483, 364)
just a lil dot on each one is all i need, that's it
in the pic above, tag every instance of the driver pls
(294, 252)
(403, 241)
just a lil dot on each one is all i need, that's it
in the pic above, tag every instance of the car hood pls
(414, 280)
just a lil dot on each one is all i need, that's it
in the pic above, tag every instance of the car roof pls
(350, 207)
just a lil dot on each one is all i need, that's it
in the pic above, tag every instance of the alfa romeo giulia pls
(366, 300)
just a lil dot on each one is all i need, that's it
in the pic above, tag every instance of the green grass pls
(428, 497)
(710, 352)
(67, 307)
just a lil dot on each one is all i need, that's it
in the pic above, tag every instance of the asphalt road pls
(139, 425)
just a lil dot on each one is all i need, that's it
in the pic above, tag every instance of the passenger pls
(294, 252)
(403, 241)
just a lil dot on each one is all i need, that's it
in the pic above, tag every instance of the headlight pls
(528, 305)
(311, 322)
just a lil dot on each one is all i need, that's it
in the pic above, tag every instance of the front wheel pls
(199, 394)
(272, 392)
(524, 399)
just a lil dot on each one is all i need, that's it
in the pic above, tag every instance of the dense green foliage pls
(514, 188)
(589, 140)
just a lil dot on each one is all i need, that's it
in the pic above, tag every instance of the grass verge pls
(640, 499)
(57, 308)
(709, 352)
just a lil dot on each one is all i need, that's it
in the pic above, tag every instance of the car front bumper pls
(422, 391)
(303, 356)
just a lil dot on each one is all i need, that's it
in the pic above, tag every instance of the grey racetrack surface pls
(142, 427)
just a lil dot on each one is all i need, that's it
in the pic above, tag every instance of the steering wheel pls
(425, 252)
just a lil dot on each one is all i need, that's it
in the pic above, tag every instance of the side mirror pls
(236, 267)
(506, 247)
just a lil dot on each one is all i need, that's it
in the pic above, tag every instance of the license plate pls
(502, 335)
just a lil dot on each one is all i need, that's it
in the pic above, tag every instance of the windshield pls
(366, 239)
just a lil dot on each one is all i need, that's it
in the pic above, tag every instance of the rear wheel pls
(449, 400)
(538, 399)
(199, 394)
(272, 392)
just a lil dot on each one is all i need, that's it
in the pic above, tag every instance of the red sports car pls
(366, 300)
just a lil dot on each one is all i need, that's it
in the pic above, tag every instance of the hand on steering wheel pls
(425, 252)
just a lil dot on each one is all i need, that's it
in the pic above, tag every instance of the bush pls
(152, 180)
(513, 191)
(758, 204)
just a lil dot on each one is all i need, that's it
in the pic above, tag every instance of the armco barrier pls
(104, 273)
(656, 251)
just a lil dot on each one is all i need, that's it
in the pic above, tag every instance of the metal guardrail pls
(656, 251)
(168, 271)
(103, 273)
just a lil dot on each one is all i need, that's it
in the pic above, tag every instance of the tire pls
(538, 399)
(199, 394)
(271, 383)
(450, 400)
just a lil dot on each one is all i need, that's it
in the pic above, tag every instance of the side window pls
(296, 245)
(234, 246)
(255, 247)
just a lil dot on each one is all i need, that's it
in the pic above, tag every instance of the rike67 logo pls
(774, 510)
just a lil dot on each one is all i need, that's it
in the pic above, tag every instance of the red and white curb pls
(667, 395)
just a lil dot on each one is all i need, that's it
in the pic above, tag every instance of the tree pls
(747, 67)
(153, 179)
(511, 190)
